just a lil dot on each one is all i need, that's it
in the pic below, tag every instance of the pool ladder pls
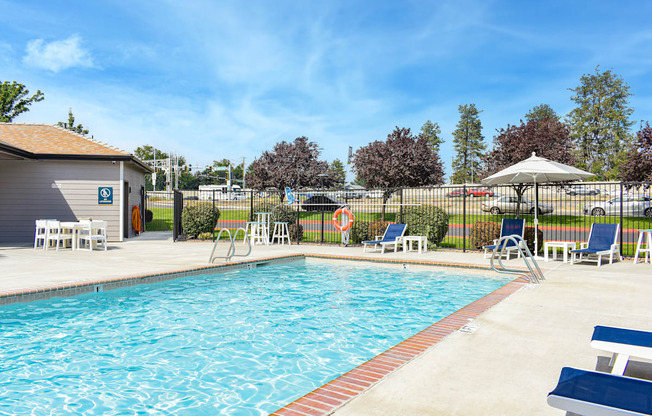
(231, 253)
(535, 275)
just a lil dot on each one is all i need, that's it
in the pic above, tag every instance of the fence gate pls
(178, 208)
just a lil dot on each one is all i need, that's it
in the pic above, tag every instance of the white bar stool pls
(281, 232)
(256, 231)
(642, 234)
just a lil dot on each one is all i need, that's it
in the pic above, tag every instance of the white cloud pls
(57, 55)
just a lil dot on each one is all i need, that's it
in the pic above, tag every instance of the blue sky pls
(229, 79)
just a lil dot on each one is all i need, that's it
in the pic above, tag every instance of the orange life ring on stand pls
(337, 224)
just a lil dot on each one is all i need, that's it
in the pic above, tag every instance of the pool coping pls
(328, 398)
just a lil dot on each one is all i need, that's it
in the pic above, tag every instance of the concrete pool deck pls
(506, 366)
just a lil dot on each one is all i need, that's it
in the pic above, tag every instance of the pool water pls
(243, 342)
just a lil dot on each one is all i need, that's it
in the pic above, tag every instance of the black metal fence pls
(565, 212)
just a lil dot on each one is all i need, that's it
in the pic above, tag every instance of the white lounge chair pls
(623, 343)
(509, 226)
(603, 240)
(602, 394)
(393, 236)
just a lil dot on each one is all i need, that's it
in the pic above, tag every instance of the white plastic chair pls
(40, 232)
(96, 234)
(55, 233)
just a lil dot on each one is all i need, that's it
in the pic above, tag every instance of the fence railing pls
(565, 212)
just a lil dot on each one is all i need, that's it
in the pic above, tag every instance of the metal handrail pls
(231, 252)
(533, 277)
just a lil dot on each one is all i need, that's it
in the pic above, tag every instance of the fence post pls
(464, 218)
(214, 219)
(251, 206)
(298, 239)
(400, 209)
(622, 243)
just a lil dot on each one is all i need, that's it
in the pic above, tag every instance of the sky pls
(228, 79)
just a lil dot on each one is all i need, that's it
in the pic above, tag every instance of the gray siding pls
(65, 190)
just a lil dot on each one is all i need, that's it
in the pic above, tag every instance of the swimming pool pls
(240, 342)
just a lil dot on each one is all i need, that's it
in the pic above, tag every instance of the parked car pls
(321, 203)
(633, 206)
(509, 204)
(480, 192)
(352, 192)
(454, 194)
(581, 190)
(374, 194)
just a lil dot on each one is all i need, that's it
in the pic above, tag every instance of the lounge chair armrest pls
(379, 237)
(583, 245)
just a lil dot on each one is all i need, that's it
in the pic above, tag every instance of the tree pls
(234, 172)
(294, 165)
(541, 112)
(431, 132)
(638, 167)
(148, 152)
(547, 137)
(70, 125)
(337, 173)
(14, 100)
(600, 123)
(401, 160)
(468, 143)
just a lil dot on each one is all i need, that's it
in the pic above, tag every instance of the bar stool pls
(263, 219)
(281, 232)
(642, 234)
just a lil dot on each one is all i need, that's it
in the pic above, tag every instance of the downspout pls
(122, 203)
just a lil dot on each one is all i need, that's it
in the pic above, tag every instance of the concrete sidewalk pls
(507, 366)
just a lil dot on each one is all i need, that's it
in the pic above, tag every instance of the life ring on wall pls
(337, 224)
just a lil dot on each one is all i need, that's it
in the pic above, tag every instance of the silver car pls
(633, 206)
(509, 204)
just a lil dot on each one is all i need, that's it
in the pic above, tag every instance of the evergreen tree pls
(337, 173)
(432, 132)
(70, 125)
(600, 125)
(542, 112)
(468, 143)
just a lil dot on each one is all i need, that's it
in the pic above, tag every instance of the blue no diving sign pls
(105, 195)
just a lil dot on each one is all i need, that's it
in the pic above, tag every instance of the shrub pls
(294, 229)
(199, 218)
(484, 233)
(377, 228)
(205, 236)
(359, 232)
(427, 220)
(149, 216)
(528, 236)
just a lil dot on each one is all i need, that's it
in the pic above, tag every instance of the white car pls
(633, 206)
(509, 203)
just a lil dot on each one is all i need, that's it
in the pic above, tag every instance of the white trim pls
(122, 203)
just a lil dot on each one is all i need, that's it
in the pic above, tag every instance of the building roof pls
(43, 141)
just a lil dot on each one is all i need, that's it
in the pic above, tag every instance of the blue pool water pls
(243, 342)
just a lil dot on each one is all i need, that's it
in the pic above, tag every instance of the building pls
(48, 172)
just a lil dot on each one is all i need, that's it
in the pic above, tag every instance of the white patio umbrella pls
(535, 170)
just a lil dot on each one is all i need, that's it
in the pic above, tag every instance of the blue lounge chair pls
(393, 236)
(509, 226)
(603, 240)
(591, 393)
(623, 343)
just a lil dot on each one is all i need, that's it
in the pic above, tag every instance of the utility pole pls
(243, 173)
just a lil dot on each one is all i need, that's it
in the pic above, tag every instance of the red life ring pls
(337, 224)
